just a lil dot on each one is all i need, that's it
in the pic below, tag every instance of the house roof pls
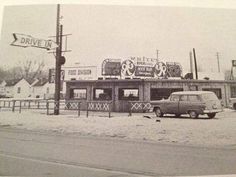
(40, 82)
(30, 81)
(12, 82)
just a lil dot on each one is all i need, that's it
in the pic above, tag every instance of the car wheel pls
(234, 106)
(158, 112)
(193, 114)
(211, 115)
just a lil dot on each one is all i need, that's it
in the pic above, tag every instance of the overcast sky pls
(115, 31)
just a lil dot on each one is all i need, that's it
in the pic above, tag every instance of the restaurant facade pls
(120, 91)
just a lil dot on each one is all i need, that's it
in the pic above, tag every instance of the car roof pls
(191, 92)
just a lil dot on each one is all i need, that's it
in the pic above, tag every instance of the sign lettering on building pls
(143, 67)
(81, 73)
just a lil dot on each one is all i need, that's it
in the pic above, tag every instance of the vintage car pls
(232, 103)
(194, 103)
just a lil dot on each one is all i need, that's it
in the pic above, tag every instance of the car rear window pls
(209, 96)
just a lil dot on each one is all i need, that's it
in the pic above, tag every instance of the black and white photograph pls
(118, 88)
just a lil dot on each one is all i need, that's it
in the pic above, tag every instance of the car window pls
(183, 98)
(209, 96)
(194, 98)
(174, 98)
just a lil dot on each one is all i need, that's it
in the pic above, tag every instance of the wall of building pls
(2, 88)
(45, 91)
(145, 87)
(24, 89)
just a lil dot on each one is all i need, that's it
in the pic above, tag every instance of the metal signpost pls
(23, 40)
(58, 65)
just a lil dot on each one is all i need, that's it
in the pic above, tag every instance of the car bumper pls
(212, 111)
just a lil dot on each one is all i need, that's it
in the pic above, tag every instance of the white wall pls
(2, 88)
(24, 89)
(46, 91)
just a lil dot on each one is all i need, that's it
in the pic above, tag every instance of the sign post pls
(58, 64)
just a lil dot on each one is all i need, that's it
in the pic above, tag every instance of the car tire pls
(234, 106)
(158, 112)
(193, 114)
(211, 115)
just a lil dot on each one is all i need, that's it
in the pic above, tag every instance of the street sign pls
(23, 40)
(52, 73)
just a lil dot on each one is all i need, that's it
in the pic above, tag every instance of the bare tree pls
(28, 69)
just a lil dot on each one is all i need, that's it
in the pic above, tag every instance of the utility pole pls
(58, 64)
(191, 61)
(195, 63)
(218, 61)
(157, 56)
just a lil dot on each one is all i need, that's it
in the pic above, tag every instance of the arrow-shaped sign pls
(23, 40)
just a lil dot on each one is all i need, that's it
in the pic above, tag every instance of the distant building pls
(17, 88)
(2, 88)
(211, 75)
(42, 89)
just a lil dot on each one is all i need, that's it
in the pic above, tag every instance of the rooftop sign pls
(23, 40)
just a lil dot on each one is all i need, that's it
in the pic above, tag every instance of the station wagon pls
(194, 103)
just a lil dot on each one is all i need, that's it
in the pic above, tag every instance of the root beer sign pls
(148, 67)
(111, 67)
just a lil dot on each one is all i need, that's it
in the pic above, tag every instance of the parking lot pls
(220, 131)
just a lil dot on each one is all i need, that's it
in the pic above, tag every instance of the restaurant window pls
(162, 93)
(217, 91)
(128, 94)
(102, 94)
(233, 91)
(79, 93)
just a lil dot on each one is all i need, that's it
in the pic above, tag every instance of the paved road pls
(36, 154)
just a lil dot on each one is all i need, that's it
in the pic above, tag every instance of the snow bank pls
(220, 131)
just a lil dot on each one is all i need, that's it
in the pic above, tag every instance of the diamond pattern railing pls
(137, 106)
(103, 106)
(49, 105)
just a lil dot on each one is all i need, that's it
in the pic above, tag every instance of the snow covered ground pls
(220, 131)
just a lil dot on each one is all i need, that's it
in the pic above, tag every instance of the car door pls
(184, 104)
(172, 107)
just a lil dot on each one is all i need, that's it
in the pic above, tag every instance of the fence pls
(103, 106)
(137, 106)
(47, 105)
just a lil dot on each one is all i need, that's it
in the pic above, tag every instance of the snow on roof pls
(12, 82)
(40, 82)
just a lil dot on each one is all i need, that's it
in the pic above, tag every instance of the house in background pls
(17, 88)
(2, 88)
(42, 89)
